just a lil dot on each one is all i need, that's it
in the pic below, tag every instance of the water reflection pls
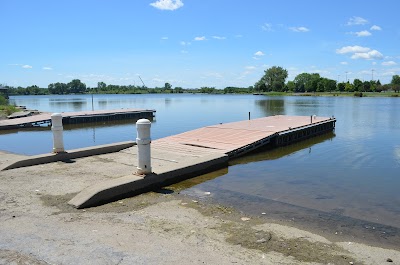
(270, 107)
(276, 153)
(76, 104)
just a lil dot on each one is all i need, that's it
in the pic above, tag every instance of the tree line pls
(273, 80)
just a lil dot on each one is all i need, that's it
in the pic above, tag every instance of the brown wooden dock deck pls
(237, 138)
(76, 117)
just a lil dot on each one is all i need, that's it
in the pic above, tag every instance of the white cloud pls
(352, 49)
(364, 33)
(164, 38)
(259, 53)
(357, 21)
(184, 43)
(266, 27)
(167, 4)
(200, 38)
(47, 68)
(299, 29)
(373, 63)
(344, 63)
(389, 63)
(360, 52)
(26, 66)
(251, 67)
(238, 36)
(183, 51)
(371, 55)
(218, 37)
(375, 27)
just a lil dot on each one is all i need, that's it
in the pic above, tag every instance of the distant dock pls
(76, 117)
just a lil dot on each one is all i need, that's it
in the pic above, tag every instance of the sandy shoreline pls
(38, 227)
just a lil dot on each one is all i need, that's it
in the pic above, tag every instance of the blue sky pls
(195, 43)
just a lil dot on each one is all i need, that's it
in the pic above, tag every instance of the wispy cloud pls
(299, 29)
(219, 38)
(344, 63)
(27, 66)
(364, 33)
(267, 27)
(389, 63)
(167, 4)
(185, 43)
(164, 38)
(47, 68)
(357, 21)
(259, 53)
(375, 27)
(200, 38)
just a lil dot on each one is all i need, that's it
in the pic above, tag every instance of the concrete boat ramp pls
(185, 155)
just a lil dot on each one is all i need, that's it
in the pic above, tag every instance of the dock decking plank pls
(229, 137)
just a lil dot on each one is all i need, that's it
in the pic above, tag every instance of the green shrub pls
(3, 100)
(358, 94)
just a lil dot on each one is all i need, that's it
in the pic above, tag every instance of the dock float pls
(44, 119)
(203, 150)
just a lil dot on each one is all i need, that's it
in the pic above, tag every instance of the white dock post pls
(143, 141)
(57, 128)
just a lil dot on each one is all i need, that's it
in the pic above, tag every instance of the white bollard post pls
(57, 128)
(143, 141)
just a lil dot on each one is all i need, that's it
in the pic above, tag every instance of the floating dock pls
(238, 138)
(189, 154)
(44, 119)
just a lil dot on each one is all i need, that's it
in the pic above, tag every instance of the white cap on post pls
(143, 141)
(57, 128)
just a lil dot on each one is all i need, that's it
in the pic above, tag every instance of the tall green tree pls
(358, 85)
(395, 83)
(76, 87)
(273, 80)
(300, 82)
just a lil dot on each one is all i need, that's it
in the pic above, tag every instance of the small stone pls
(263, 213)
(389, 260)
(351, 263)
(262, 240)
(183, 203)
(121, 202)
(245, 219)
(195, 201)
(207, 193)
(335, 233)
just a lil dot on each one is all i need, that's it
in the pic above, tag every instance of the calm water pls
(353, 173)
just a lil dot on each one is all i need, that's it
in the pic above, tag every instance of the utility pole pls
(372, 71)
